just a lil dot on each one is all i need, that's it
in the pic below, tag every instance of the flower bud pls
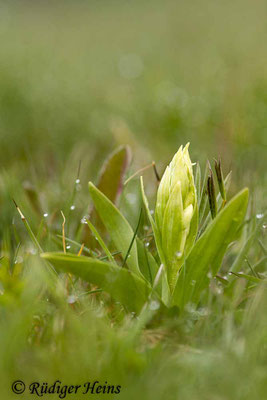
(176, 213)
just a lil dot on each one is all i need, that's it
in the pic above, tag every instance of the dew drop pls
(147, 244)
(178, 254)
(77, 181)
(68, 247)
(83, 220)
(45, 215)
(72, 207)
(264, 226)
(259, 215)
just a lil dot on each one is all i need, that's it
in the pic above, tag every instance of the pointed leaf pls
(152, 222)
(110, 182)
(123, 285)
(117, 226)
(209, 250)
(113, 172)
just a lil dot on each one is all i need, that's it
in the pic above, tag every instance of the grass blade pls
(100, 241)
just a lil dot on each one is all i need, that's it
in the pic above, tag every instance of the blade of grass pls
(86, 249)
(63, 232)
(81, 250)
(133, 239)
(32, 236)
(100, 241)
(29, 230)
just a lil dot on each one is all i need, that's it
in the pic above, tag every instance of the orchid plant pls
(190, 241)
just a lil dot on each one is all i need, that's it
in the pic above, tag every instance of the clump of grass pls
(111, 307)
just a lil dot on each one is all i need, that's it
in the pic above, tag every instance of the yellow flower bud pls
(176, 213)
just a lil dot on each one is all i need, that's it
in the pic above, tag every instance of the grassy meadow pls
(79, 79)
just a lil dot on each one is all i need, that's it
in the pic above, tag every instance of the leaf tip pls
(91, 186)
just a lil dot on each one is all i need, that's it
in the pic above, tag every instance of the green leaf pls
(110, 183)
(165, 285)
(123, 285)
(208, 252)
(117, 226)
(152, 222)
(193, 232)
(147, 263)
(113, 172)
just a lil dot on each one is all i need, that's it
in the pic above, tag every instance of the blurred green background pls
(152, 74)
(77, 79)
